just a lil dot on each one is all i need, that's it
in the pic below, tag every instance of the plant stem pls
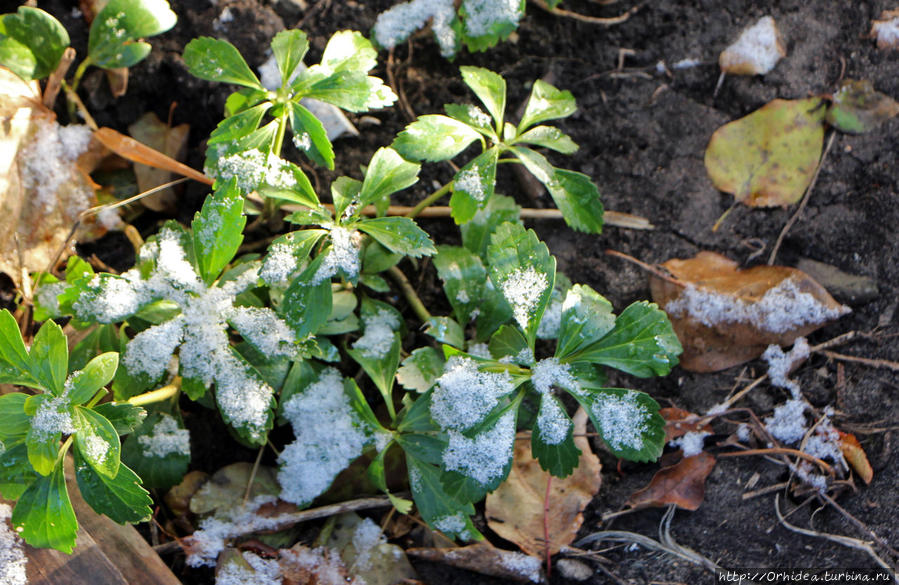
(433, 197)
(64, 448)
(157, 395)
(410, 294)
(270, 206)
(79, 72)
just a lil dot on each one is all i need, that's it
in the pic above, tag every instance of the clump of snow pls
(265, 330)
(150, 350)
(52, 417)
(454, 524)
(886, 30)
(366, 537)
(484, 457)
(522, 289)
(110, 299)
(687, 64)
(806, 472)
(743, 433)
(379, 334)
(47, 296)
(322, 562)
(94, 448)
(481, 16)
(394, 26)
(166, 439)
(622, 419)
(552, 318)
(479, 116)
(787, 424)
(205, 544)
(756, 52)
(329, 436)
(12, 552)
(469, 180)
(825, 442)
(481, 350)
(521, 564)
(261, 572)
(343, 255)
(691, 443)
(780, 364)
(782, 308)
(47, 163)
(279, 265)
(549, 372)
(553, 422)
(253, 168)
(464, 395)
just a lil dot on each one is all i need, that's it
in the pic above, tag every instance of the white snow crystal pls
(549, 372)
(780, 364)
(52, 417)
(481, 350)
(622, 419)
(94, 448)
(279, 265)
(552, 421)
(12, 553)
(788, 421)
(396, 24)
(691, 443)
(109, 300)
(265, 330)
(523, 289)
(150, 350)
(465, 395)
(343, 255)
(484, 457)
(552, 319)
(756, 52)
(469, 180)
(454, 524)
(48, 296)
(166, 439)
(261, 572)
(483, 15)
(253, 168)
(366, 537)
(46, 163)
(479, 116)
(522, 564)
(379, 334)
(205, 544)
(887, 32)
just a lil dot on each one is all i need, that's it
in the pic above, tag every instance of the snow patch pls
(394, 26)
(484, 457)
(623, 420)
(379, 334)
(756, 52)
(523, 289)
(691, 443)
(12, 552)
(464, 395)
(166, 439)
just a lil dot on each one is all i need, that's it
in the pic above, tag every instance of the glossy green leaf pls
(536, 164)
(476, 233)
(97, 441)
(117, 28)
(121, 498)
(858, 108)
(436, 506)
(577, 197)
(14, 423)
(376, 258)
(386, 174)
(289, 48)
(769, 157)
(490, 89)
(378, 350)
(31, 42)
(586, 318)
(473, 116)
(546, 103)
(16, 472)
(237, 126)
(124, 417)
(95, 375)
(349, 90)
(559, 458)
(473, 186)
(400, 235)
(307, 304)
(12, 346)
(628, 422)
(44, 516)
(464, 277)
(287, 253)
(344, 192)
(374, 282)
(509, 342)
(378, 476)
(421, 369)
(309, 135)
(218, 60)
(548, 137)
(348, 50)
(445, 330)
(493, 312)
(100, 339)
(434, 138)
(218, 230)
(642, 343)
(492, 25)
(158, 467)
(49, 357)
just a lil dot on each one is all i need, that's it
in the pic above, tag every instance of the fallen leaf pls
(366, 555)
(172, 142)
(858, 108)
(137, 152)
(768, 158)
(486, 559)
(226, 488)
(756, 52)
(515, 510)
(118, 82)
(178, 498)
(886, 30)
(679, 422)
(724, 316)
(855, 456)
(682, 484)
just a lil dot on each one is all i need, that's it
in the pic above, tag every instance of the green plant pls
(264, 340)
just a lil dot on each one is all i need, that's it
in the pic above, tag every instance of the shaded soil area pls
(642, 129)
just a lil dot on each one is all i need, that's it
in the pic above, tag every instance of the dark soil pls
(642, 135)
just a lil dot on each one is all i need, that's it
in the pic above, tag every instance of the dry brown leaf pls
(884, 30)
(515, 510)
(679, 422)
(486, 559)
(301, 565)
(682, 484)
(172, 142)
(724, 316)
(118, 81)
(366, 557)
(855, 456)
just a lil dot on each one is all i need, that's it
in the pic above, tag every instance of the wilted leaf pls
(855, 456)
(171, 141)
(366, 554)
(226, 488)
(756, 52)
(515, 510)
(724, 316)
(679, 422)
(768, 158)
(858, 108)
(486, 559)
(178, 498)
(301, 565)
(682, 484)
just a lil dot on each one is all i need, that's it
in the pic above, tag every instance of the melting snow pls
(523, 289)
(396, 24)
(483, 15)
(379, 334)
(261, 572)
(757, 50)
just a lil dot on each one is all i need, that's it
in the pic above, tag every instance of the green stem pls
(430, 199)
(409, 293)
(64, 448)
(157, 395)
(100, 394)
(270, 206)
(79, 72)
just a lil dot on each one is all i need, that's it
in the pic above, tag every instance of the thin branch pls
(874, 363)
(409, 292)
(782, 451)
(584, 18)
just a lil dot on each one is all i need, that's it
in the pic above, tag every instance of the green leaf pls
(536, 164)
(287, 253)
(559, 458)
(476, 233)
(508, 342)
(95, 375)
(121, 498)
(446, 330)
(434, 138)
(548, 137)
(628, 421)
(154, 451)
(435, 505)
(421, 369)
(97, 441)
(493, 312)
(344, 191)
(768, 158)
(244, 98)
(546, 103)
(237, 126)
(586, 318)
(218, 230)
(12, 346)
(376, 258)
(289, 48)
(348, 50)
(44, 516)
(858, 108)
(16, 472)
(124, 417)
(642, 343)
(14, 423)
(310, 136)
(49, 357)
(523, 270)
(473, 185)
(378, 350)
(31, 43)
(473, 116)
(399, 234)
(218, 60)
(463, 277)
(577, 198)
(490, 89)
(378, 476)
(349, 90)
(100, 339)
(300, 191)
(307, 304)
(116, 29)
(374, 282)
(386, 174)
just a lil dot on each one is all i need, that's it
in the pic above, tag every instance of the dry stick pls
(54, 83)
(804, 201)
(549, 563)
(655, 271)
(839, 539)
(82, 109)
(409, 293)
(782, 451)
(246, 494)
(590, 19)
(861, 525)
(765, 490)
(874, 363)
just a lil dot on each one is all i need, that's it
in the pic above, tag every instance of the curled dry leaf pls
(679, 422)
(486, 559)
(171, 141)
(756, 52)
(515, 510)
(855, 456)
(886, 30)
(682, 484)
(858, 108)
(769, 157)
(226, 488)
(724, 316)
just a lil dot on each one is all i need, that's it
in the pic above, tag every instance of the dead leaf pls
(679, 422)
(769, 157)
(137, 152)
(855, 456)
(486, 559)
(858, 108)
(301, 565)
(118, 82)
(724, 316)
(172, 142)
(365, 555)
(178, 498)
(515, 510)
(885, 30)
(226, 488)
(756, 51)
(682, 484)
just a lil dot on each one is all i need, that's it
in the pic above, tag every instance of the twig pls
(765, 490)
(655, 271)
(246, 494)
(861, 525)
(409, 293)
(782, 451)
(82, 109)
(874, 363)
(590, 19)
(803, 203)
(54, 83)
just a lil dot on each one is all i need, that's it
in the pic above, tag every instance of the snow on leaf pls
(485, 457)
(465, 395)
(756, 52)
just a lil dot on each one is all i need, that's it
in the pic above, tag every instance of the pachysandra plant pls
(267, 340)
